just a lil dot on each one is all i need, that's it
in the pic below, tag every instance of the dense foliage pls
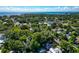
(31, 33)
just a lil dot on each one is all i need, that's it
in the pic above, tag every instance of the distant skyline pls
(39, 8)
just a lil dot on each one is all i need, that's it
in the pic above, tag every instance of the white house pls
(49, 23)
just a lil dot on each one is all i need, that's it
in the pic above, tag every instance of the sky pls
(39, 2)
(39, 8)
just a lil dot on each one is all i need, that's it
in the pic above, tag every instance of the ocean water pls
(52, 13)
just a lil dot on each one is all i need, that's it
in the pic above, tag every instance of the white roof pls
(52, 50)
(57, 50)
(1, 41)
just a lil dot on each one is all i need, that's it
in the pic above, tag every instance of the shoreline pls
(36, 13)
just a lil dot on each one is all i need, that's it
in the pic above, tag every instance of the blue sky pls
(39, 8)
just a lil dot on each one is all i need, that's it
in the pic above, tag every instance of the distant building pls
(49, 23)
(31, 29)
(77, 40)
(2, 38)
(54, 50)
(57, 50)
(6, 19)
(51, 50)
(17, 23)
(4, 22)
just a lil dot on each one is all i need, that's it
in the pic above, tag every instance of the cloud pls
(38, 9)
